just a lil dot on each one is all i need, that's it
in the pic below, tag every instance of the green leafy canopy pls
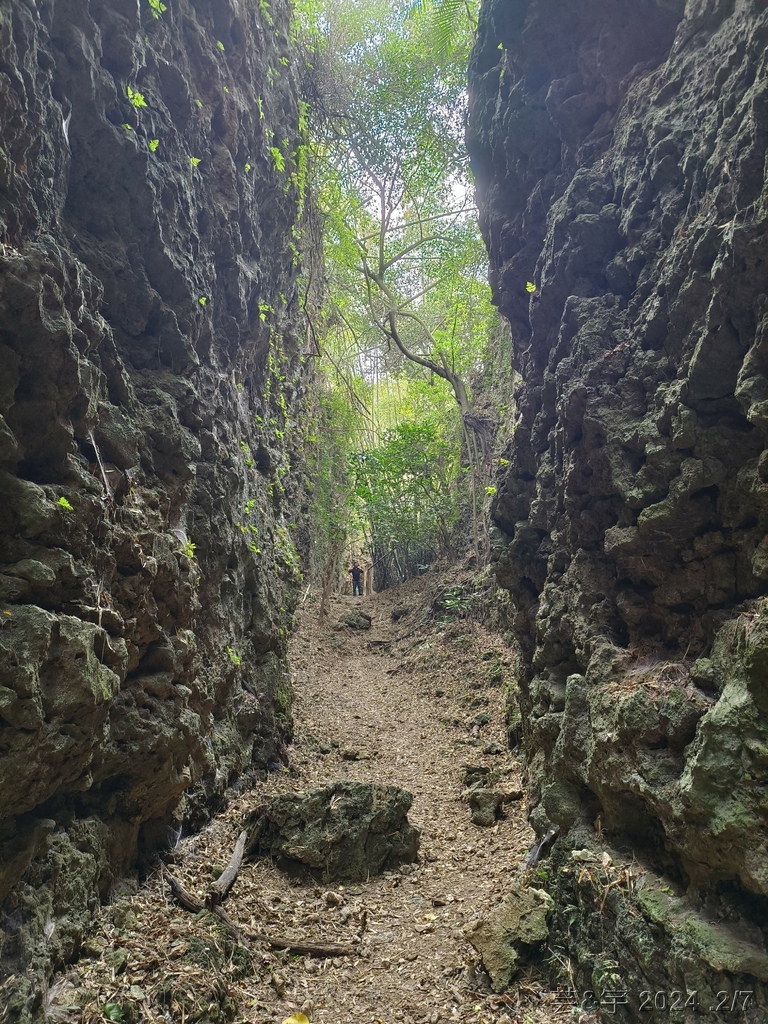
(407, 316)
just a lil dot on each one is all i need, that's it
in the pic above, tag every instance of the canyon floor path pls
(413, 702)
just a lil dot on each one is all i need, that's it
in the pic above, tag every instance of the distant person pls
(357, 580)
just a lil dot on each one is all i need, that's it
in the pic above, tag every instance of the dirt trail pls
(359, 691)
(408, 703)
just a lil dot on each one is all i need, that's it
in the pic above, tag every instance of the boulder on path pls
(356, 619)
(484, 804)
(507, 936)
(346, 830)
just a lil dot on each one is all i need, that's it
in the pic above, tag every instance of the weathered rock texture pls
(620, 155)
(150, 363)
(507, 935)
(349, 830)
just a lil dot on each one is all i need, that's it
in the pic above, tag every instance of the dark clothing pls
(357, 580)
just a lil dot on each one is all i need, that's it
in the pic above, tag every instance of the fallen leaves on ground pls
(418, 702)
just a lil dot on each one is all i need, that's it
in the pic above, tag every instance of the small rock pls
(349, 754)
(493, 748)
(117, 959)
(485, 805)
(324, 748)
(474, 774)
(583, 856)
(124, 916)
(511, 932)
(333, 899)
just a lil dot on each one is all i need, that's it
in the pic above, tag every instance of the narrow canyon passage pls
(413, 704)
(475, 293)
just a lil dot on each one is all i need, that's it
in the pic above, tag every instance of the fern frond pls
(449, 20)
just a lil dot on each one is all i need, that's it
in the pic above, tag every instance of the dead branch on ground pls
(226, 880)
(239, 933)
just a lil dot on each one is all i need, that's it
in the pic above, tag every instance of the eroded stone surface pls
(619, 151)
(150, 358)
(511, 932)
(356, 619)
(346, 830)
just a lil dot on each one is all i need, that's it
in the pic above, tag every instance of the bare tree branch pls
(424, 220)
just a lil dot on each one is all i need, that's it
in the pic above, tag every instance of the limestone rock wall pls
(620, 156)
(151, 372)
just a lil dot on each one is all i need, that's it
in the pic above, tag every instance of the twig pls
(226, 880)
(102, 467)
(405, 636)
(184, 896)
(299, 946)
(194, 905)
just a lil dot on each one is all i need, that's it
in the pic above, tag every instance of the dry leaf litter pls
(410, 703)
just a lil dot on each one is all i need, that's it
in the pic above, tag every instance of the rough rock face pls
(149, 361)
(346, 830)
(620, 155)
(508, 933)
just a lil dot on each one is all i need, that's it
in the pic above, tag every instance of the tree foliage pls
(452, 23)
(408, 317)
(406, 486)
